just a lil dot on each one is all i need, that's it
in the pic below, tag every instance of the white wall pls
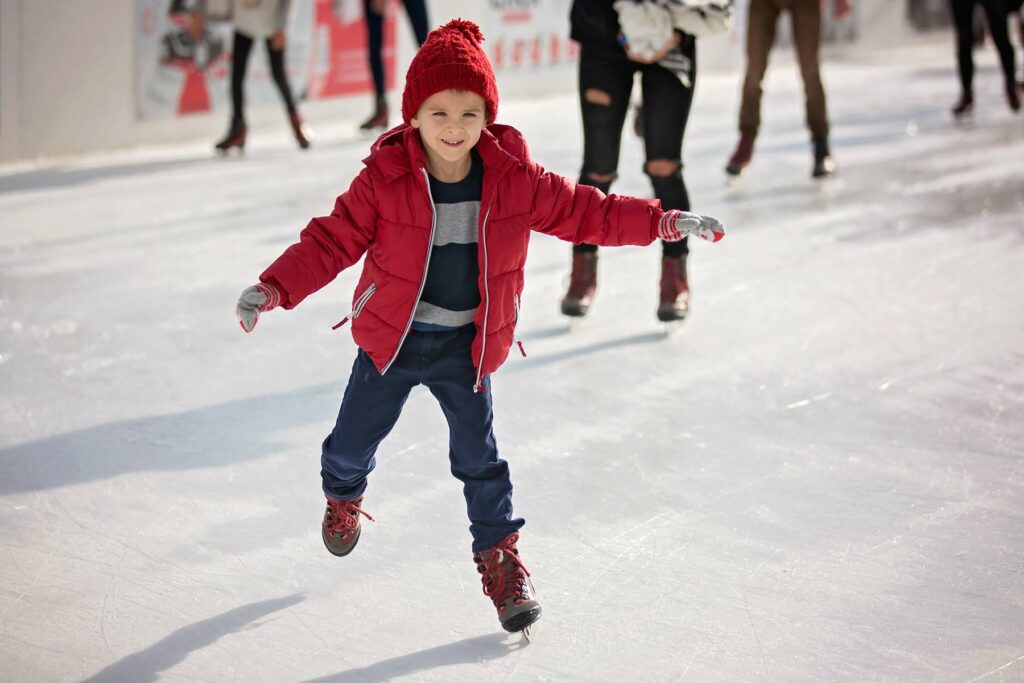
(67, 74)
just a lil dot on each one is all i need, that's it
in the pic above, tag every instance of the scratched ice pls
(819, 477)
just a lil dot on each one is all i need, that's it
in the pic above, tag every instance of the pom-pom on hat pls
(450, 59)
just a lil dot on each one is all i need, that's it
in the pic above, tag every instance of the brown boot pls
(303, 133)
(506, 582)
(341, 529)
(582, 284)
(741, 158)
(674, 301)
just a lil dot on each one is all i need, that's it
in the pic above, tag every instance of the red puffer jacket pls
(387, 214)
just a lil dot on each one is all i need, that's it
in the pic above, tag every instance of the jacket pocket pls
(358, 306)
(515, 324)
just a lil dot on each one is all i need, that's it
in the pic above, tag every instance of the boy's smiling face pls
(450, 123)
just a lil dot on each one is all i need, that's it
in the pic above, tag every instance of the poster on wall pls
(177, 75)
(529, 34)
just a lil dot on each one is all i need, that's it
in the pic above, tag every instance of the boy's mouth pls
(452, 143)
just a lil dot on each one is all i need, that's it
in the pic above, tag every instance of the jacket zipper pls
(426, 266)
(477, 388)
(357, 308)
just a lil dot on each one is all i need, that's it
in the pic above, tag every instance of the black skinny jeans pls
(666, 108)
(240, 50)
(417, 11)
(997, 14)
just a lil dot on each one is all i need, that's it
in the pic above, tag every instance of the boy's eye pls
(439, 113)
(470, 114)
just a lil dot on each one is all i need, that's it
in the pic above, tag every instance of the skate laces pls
(502, 572)
(342, 516)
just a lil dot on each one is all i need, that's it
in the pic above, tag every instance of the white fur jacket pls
(648, 24)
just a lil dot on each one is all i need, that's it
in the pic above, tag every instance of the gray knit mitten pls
(254, 300)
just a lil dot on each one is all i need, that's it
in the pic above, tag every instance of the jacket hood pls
(400, 151)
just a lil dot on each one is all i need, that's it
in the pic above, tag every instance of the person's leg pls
(303, 135)
(762, 17)
(369, 410)
(997, 14)
(963, 11)
(241, 46)
(473, 450)
(666, 110)
(276, 60)
(417, 11)
(605, 83)
(806, 16)
(374, 45)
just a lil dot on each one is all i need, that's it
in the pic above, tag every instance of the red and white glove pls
(255, 300)
(675, 225)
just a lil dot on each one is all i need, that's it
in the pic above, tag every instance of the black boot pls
(234, 138)
(824, 165)
(964, 107)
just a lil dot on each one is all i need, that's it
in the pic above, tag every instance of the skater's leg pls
(374, 44)
(241, 46)
(997, 14)
(762, 17)
(417, 11)
(963, 12)
(369, 410)
(666, 111)
(276, 59)
(605, 84)
(806, 15)
(473, 450)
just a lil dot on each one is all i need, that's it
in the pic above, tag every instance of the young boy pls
(443, 212)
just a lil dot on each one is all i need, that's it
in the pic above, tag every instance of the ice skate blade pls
(523, 621)
(527, 634)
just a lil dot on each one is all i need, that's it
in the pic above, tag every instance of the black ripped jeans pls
(240, 50)
(666, 108)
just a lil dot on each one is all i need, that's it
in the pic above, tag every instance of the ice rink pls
(819, 477)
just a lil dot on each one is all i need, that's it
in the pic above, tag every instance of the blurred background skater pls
(762, 18)
(252, 20)
(373, 12)
(997, 15)
(654, 38)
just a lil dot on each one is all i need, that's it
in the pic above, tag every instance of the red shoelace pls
(343, 516)
(504, 575)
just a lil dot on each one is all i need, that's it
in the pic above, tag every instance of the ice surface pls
(820, 477)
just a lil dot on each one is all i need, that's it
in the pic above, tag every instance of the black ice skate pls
(824, 165)
(964, 107)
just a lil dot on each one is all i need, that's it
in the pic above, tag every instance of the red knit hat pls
(450, 59)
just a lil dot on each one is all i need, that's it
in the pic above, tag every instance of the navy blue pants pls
(440, 361)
